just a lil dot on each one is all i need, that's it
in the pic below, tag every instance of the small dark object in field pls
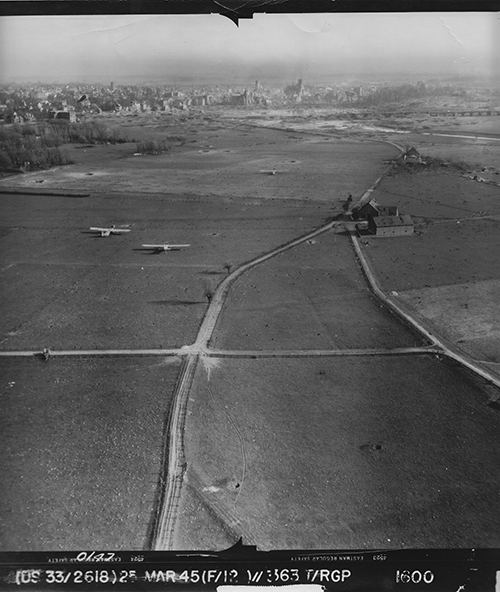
(371, 447)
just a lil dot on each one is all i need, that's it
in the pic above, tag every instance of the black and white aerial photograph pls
(250, 287)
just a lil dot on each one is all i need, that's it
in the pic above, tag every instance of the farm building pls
(391, 225)
(411, 156)
(372, 209)
(388, 211)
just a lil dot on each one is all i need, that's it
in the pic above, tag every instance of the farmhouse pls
(372, 209)
(391, 225)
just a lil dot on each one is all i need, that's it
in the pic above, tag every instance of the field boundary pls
(326, 353)
(222, 353)
(446, 349)
(91, 352)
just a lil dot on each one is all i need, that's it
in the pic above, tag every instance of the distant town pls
(75, 102)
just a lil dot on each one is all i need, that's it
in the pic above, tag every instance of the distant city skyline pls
(210, 48)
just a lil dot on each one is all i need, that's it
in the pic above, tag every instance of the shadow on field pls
(148, 251)
(93, 234)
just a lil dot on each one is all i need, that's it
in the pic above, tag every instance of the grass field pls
(432, 194)
(82, 443)
(115, 307)
(369, 452)
(64, 287)
(449, 276)
(446, 253)
(227, 161)
(468, 314)
(313, 296)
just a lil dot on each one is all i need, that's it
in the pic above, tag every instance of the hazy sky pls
(308, 46)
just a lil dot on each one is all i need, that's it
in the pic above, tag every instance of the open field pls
(224, 162)
(370, 452)
(111, 307)
(435, 194)
(82, 445)
(313, 296)
(449, 275)
(445, 253)
(64, 287)
(468, 314)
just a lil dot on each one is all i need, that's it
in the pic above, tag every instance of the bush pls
(152, 147)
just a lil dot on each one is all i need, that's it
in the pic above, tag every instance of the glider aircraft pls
(109, 230)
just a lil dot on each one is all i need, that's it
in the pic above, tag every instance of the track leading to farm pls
(237, 511)
(173, 467)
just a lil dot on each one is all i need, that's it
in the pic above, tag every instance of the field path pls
(173, 459)
(174, 465)
(166, 516)
(209, 321)
(226, 353)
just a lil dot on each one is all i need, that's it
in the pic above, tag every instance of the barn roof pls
(412, 151)
(371, 203)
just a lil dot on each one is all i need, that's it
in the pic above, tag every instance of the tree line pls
(28, 147)
(33, 146)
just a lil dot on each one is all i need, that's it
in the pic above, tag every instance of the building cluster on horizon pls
(34, 102)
